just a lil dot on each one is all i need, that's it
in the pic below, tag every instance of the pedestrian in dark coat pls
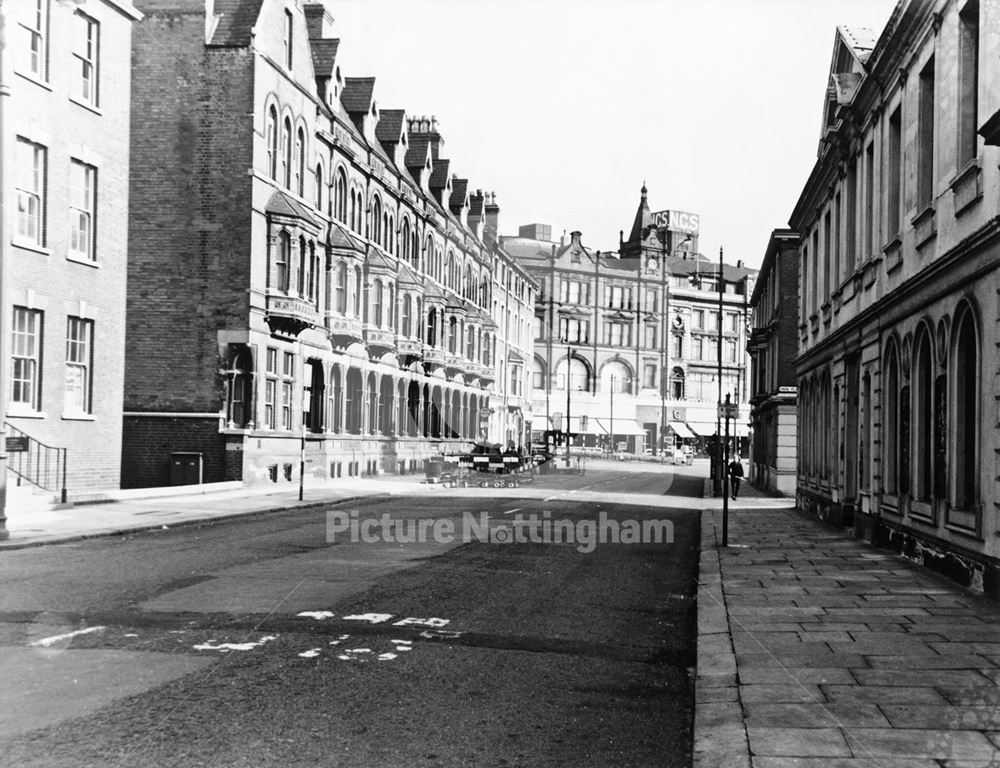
(735, 476)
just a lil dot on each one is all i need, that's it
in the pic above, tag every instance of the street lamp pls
(569, 360)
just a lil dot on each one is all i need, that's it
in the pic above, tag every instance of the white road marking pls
(310, 654)
(373, 618)
(226, 647)
(412, 622)
(386, 656)
(512, 511)
(318, 615)
(47, 641)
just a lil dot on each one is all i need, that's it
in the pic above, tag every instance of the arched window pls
(404, 242)
(341, 290)
(318, 186)
(340, 196)
(407, 309)
(965, 366)
(286, 153)
(432, 327)
(383, 240)
(239, 404)
(467, 286)
(890, 420)
(281, 260)
(615, 377)
(302, 280)
(377, 304)
(923, 417)
(272, 143)
(358, 284)
(537, 374)
(300, 163)
(390, 312)
(579, 375)
(470, 343)
(376, 220)
(452, 334)
(450, 271)
(390, 235)
(314, 274)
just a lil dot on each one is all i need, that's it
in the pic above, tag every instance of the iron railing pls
(34, 462)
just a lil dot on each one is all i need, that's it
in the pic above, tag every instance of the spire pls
(643, 219)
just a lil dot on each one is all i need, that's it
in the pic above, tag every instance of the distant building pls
(305, 266)
(637, 333)
(66, 132)
(899, 275)
(773, 348)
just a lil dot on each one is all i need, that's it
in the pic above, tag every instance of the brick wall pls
(189, 236)
(151, 440)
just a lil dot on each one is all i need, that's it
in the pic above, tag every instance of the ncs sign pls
(676, 221)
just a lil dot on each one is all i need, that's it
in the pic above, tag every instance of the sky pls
(564, 108)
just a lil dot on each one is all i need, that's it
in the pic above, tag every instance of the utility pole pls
(725, 479)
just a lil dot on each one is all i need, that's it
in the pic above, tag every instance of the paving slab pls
(848, 656)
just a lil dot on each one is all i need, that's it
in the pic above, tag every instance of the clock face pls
(651, 266)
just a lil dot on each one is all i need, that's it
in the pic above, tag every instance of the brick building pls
(306, 268)
(638, 330)
(66, 134)
(899, 276)
(773, 348)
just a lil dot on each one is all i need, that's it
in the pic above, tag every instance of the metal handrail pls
(35, 462)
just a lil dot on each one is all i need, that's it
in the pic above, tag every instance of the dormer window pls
(288, 39)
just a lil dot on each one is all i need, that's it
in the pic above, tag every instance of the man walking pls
(735, 475)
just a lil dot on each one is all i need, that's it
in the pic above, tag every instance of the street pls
(259, 641)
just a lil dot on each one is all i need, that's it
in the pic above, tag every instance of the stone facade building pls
(637, 330)
(899, 274)
(773, 349)
(66, 155)
(306, 268)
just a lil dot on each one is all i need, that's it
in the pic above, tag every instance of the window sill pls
(967, 187)
(14, 411)
(78, 417)
(893, 254)
(93, 263)
(32, 78)
(27, 245)
(924, 226)
(86, 106)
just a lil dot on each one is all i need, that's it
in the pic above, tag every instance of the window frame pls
(89, 59)
(78, 213)
(38, 192)
(79, 356)
(31, 358)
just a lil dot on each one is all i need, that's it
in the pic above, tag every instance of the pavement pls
(817, 649)
(814, 648)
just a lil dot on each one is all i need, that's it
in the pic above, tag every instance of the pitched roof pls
(643, 219)
(390, 125)
(236, 19)
(284, 205)
(459, 189)
(340, 237)
(406, 276)
(416, 154)
(357, 94)
(439, 174)
(375, 258)
(324, 55)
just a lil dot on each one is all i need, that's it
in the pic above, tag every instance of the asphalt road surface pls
(262, 642)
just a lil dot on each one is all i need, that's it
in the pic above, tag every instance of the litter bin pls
(185, 468)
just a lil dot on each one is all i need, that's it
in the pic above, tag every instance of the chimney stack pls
(475, 218)
(491, 219)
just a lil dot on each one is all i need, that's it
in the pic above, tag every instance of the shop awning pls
(621, 426)
(708, 428)
(681, 430)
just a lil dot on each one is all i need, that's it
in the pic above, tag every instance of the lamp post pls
(569, 360)
(611, 432)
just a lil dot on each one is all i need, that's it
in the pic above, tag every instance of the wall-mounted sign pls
(677, 221)
(17, 444)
